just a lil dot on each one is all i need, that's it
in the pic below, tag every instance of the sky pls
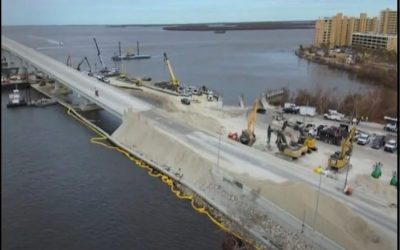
(75, 12)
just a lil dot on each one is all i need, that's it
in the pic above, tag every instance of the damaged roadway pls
(355, 222)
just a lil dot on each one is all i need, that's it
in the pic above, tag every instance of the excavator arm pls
(83, 60)
(247, 137)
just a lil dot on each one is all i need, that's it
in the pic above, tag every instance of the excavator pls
(293, 151)
(340, 159)
(307, 141)
(87, 62)
(173, 81)
(248, 137)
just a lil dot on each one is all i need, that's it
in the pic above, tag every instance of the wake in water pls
(48, 40)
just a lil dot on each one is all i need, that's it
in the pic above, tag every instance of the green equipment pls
(393, 181)
(377, 170)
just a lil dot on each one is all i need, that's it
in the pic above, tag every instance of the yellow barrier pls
(164, 178)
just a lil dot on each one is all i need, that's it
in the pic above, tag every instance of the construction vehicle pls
(341, 159)
(290, 150)
(104, 70)
(173, 81)
(87, 62)
(248, 137)
(307, 141)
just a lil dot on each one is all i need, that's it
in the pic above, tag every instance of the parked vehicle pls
(290, 108)
(333, 115)
(391, 124)
(391, 145)
(378, 142)
(307, 110)
(185, 101)
(363, 139)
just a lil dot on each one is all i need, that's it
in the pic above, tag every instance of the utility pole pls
(316, 206)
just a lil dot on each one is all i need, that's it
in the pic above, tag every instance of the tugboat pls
(15, 99)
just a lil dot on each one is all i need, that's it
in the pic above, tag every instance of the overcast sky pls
(48, 12)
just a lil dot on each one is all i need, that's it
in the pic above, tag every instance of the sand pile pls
(377, 187)
(334, 220)
(137, 133)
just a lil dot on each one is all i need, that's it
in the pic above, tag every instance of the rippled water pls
(236, 62)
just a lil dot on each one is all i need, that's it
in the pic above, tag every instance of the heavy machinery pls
(290, 150)
(104, 70)
(305, 139)
(248, 137)
(173, 81)
(340, 159)
(87, 62)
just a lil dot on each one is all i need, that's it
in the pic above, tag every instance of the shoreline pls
(242, 26)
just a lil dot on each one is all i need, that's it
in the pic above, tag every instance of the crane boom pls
(173, 81)
(98, 53)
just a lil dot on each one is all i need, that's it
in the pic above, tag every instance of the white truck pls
(334, 115)
(391, 124)
(307, 110)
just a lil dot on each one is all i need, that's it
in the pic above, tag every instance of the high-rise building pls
(338, 30)
(388, 22)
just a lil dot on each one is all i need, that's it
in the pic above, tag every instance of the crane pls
(104, 68)
(340, 159)
(83, 60)
(248, 137)
(174, 82)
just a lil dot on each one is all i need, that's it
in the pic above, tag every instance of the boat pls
(219, 31)
(15, 99)
(137, 56)
(43, 102)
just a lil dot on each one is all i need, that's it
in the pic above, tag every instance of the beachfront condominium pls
(338, 30)
(388, 22)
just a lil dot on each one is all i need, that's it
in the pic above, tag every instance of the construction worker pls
(269, 134)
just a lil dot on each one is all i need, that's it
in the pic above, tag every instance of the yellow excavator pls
(292, 151)
(174, 82)
(248, 137)
(340, 159)
(308, 142)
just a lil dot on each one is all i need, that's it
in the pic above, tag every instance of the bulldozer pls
(340, 160)
(248, 137)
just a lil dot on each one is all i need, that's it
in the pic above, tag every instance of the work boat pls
(15, 100)
(137, 56)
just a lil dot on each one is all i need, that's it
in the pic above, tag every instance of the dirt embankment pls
(334, 220)
(140, 134)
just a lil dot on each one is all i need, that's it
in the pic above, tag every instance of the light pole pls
(219, 145)
(316, 206)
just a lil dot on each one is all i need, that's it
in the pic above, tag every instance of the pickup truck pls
(334, 116)
(390, 145)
